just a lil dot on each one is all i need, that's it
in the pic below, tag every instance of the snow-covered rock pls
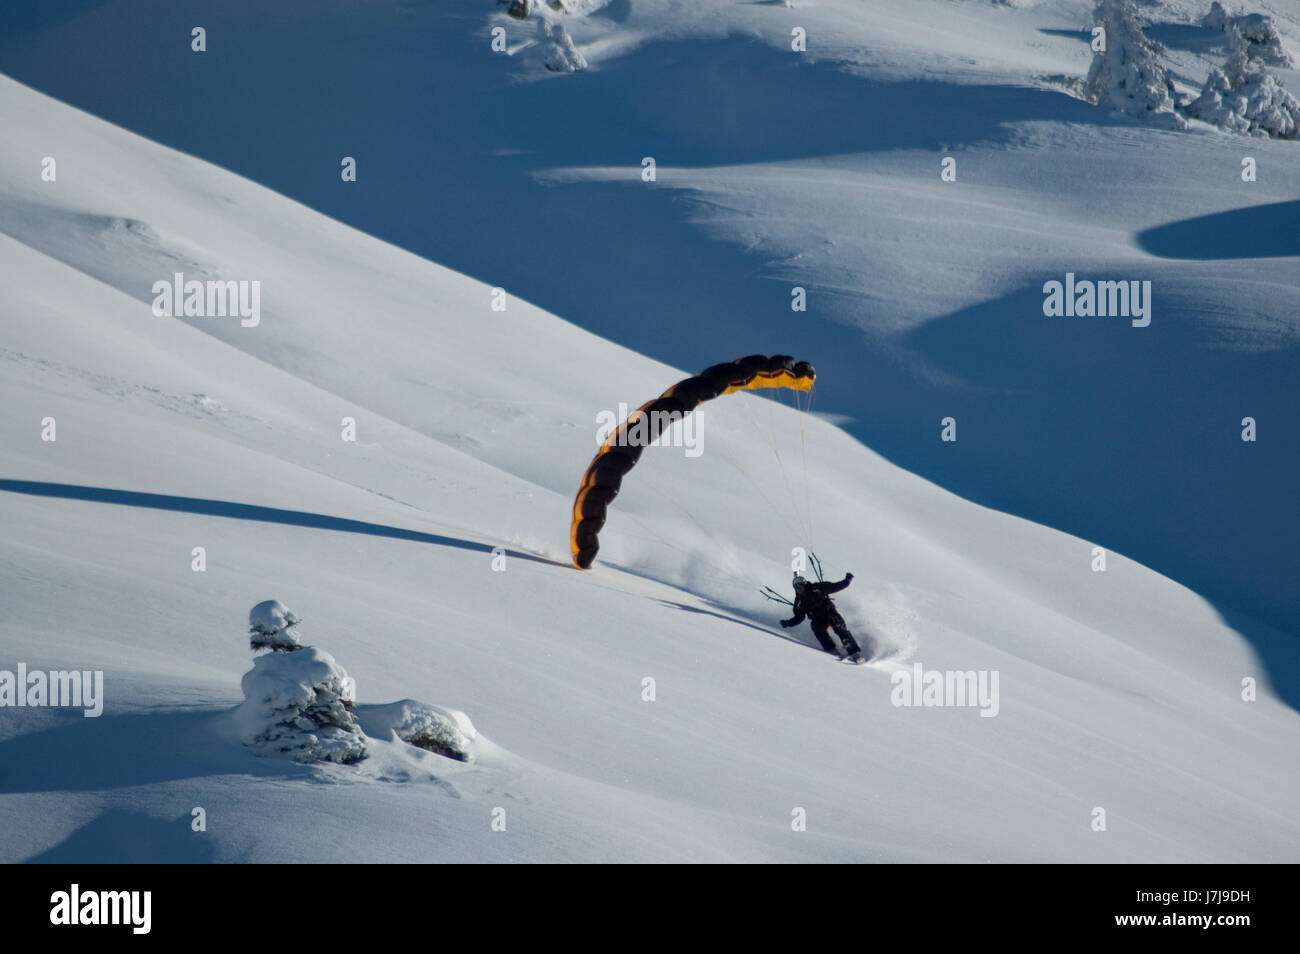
(1127, 74)
(446, 732)
(519, 9)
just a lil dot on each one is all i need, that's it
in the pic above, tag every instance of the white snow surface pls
(1120, 690)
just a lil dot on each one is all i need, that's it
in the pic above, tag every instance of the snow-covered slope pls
(1119, 690)
(819, 169)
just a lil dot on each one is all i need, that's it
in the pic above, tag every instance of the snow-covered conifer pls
(1127, 74)
(1257, 29)
(296, 698)
(560, 53)
(1244, 97)
(272, 626)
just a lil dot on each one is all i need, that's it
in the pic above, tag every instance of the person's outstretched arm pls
(798, 616)
(836, 587)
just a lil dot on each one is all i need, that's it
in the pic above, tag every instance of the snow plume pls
(297, 699)
(1244, 97)
(1126, 73)
(1257, 29)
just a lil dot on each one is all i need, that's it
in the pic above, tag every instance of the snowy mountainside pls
(1118, 690)
(818, 169)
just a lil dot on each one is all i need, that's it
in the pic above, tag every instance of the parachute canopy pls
(618, 454)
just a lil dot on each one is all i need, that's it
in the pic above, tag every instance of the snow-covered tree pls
(1244, 97)
(1127, 74)
(579, 7)
(296, 698)
(520, 9)
(272, 626)
(1257, 29)
(560, 53)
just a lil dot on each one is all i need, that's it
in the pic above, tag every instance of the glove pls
(848, 576)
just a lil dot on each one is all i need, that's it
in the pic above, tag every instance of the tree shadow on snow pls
(1188, 37)
(240, 511)
(1271, 230)
(17, 18)
(111, 752)
(1175, 36)
(122, 837)
(733, 617)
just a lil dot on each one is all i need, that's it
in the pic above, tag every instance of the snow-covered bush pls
(1257, 29)
(296, 698)
(1127, 74)
(1244, 97)
(445, 732)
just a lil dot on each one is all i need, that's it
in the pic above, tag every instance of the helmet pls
(799, 581)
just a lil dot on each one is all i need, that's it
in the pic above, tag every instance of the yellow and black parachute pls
(604, 475)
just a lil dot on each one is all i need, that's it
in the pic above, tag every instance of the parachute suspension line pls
(777, 511)
(792, 478)
(681, 507)
(806, 516)
(804, 414)
(769, 434)
(721, 575)
(804, 519)
(780, 513)
(650, 536)
(602, 479)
